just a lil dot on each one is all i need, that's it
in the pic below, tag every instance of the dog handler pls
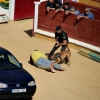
(61, 40)
(41, 61)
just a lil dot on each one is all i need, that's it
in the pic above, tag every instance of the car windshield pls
(8, 61)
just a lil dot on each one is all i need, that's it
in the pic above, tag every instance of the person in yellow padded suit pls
(40, 60)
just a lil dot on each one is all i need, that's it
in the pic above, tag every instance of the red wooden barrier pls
(84, 30)
(23, 9)
(97, 33)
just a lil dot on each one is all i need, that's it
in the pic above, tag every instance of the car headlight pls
(32, 83)
(2, 85)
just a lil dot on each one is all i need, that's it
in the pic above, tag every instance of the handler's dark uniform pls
(60, 38)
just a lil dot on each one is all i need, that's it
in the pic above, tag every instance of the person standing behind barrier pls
(66, 8)
(87, 14)
(61, 40)
(74, 11)
(50, 5)
(58, 0)
(58, 6)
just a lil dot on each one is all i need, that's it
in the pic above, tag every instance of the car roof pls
(3, 50)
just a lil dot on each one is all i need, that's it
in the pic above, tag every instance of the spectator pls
(41, 61)
(50, 5)
(73, 11)
(66, 8)
(58, 6)
(61, 40)
(58, 0)
(87, 14)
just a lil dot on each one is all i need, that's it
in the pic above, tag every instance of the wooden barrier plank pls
(86, 22)
(97, 39)
(46, 29)
(48, 18)
(85, 35)
(43, 4)
(67, 21)
(89, 54)
(85, 40)
(91, 57)
(84, 50)
(42, 8)
(97, 44)
(97, 34)
(97, 25)
(71, 34)
(48, 24)
(23, 9)
(86, 29)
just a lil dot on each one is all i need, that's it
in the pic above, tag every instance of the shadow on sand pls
(29, 32)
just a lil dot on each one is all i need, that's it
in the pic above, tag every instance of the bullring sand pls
(80, 81)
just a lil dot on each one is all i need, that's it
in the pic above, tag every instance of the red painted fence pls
(85, 30)
(24, 9)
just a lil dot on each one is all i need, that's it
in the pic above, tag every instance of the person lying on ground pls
(40, 60)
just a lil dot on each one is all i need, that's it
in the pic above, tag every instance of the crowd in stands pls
(58, 6)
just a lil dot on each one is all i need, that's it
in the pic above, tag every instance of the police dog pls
(63, 56)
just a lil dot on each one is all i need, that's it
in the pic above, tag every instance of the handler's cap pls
(58, 28)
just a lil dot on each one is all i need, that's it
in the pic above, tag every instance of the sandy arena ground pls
(80, 81)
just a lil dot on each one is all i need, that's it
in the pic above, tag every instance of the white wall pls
(43, 0)
(75, 0)
(11, 9)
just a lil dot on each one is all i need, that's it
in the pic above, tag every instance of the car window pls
(13, 60)
(8, 61)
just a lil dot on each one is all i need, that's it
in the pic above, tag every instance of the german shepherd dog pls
(61, 57)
